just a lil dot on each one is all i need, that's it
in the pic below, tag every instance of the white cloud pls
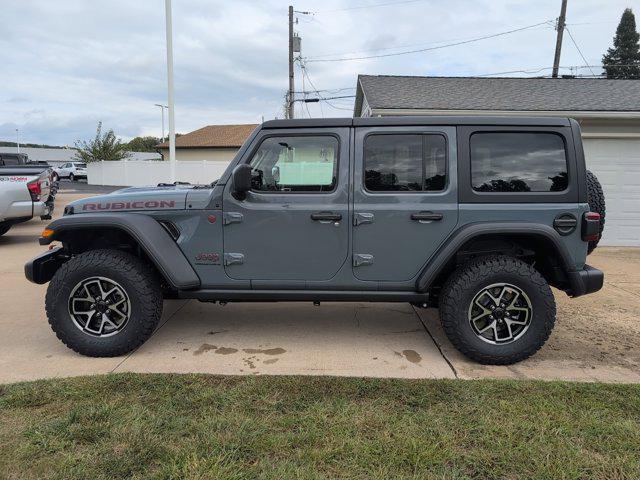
(69, 63)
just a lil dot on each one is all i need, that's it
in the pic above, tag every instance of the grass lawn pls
(198, 426)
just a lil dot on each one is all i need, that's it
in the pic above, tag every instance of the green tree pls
(143, 144)
(104, 146)
(623, 59)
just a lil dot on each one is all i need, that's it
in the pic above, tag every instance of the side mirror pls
(241, 181)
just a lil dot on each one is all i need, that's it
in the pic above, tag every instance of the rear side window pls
(518, 162)
(295, 164)
(405, 163)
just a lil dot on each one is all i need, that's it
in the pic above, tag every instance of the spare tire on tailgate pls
(595, 197)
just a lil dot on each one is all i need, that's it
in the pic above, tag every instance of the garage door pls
(616, 163)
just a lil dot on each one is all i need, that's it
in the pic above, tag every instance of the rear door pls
(405, 199)
(293, 226)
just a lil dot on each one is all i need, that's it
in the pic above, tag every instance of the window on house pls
(518, 162)
(405, 163)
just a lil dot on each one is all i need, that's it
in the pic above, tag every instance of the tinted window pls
(405, 163)
(518, 162)
(80, 165)
(295, 164)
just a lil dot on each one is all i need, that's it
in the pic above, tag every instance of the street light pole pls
(162, 107)
(18, 139)
(172, 126)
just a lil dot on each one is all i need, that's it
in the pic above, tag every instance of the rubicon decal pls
(138, 205)
(13, 179)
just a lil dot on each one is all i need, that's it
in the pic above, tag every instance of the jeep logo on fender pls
(141, 204)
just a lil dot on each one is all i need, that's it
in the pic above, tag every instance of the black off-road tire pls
(4, 227)
(72, 177)
(460, 290)
(595, 197)
(140, 283)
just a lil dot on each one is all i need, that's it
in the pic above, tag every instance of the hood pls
(172, 197)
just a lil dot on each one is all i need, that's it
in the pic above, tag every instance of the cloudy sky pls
(69, 63)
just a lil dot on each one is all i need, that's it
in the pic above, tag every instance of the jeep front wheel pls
(104, 303)
(497, 310)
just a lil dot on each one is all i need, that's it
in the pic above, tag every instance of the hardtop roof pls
(444, 120)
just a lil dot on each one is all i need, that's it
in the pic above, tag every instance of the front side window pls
(295, 164)
(518, 162)
(405, 163)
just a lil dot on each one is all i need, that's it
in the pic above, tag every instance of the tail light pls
(35, 189)
(591, 226)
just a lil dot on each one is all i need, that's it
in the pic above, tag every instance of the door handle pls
(426, 217)
(326, 217)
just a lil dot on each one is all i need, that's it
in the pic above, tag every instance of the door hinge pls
(232, 217)
(233, 258)
(360, 218)
(361, 259)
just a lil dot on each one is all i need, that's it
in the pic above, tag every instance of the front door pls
(405, 199)
(293, 225)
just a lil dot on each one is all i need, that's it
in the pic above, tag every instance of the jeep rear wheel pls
(104, 303)
(497, 310)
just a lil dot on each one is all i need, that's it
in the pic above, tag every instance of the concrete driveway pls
(596, 337)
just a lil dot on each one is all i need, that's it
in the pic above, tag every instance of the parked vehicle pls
(71, 170)
(26, 191)
(13, 159)
(477, 216)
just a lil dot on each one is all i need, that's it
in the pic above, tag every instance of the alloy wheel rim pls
(99, 306)
(500, 313)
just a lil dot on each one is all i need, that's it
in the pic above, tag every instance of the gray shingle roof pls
(469, 93)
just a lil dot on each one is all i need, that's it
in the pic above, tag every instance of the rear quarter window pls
(518, 162)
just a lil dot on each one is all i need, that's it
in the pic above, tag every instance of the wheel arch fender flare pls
(475, 230)
(147, 232)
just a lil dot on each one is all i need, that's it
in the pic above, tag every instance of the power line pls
(578, 48)
(541, 69)
(306, 73)
(330, 90)
(485, 37)
(410, 45)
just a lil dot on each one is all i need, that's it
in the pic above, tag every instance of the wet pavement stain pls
(205, 347)
(213, 332)
(412, 356)
(249, 363)
(269, 361)
(226, 351)
(268, 351)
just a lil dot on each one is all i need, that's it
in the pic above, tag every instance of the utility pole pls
(290, 104)
(172, 124)
(560, 28)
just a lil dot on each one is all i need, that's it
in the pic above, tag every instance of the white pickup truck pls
(26, 191)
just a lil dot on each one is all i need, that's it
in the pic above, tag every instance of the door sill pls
(303, 296)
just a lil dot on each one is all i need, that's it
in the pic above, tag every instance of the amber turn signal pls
(47, 232)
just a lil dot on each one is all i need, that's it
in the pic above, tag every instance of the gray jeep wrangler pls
(477, 216)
